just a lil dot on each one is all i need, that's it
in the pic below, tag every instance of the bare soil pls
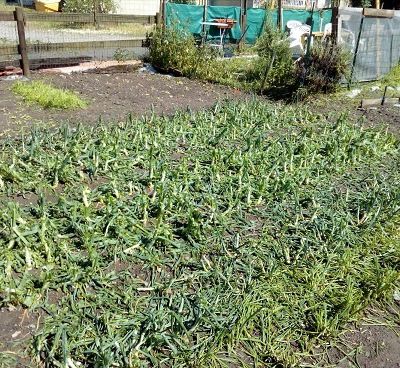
(372, 343)
(387, 117)
(112, 97)
(17, 326)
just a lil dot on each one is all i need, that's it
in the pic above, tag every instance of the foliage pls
(175, 50)
(361, 3)
(327, 65)
(275, 58)
(241, 236)
(5, 6)
(392, 78)
(122, 55)
(47, 96)
(88, 6)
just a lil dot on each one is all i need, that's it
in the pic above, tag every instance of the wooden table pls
(223, 25)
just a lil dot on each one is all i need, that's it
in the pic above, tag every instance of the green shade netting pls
(189, 17)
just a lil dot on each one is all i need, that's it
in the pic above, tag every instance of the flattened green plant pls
(48, 96)
(240, 236)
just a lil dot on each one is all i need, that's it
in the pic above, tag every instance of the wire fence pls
(373, 41)
(55, 39)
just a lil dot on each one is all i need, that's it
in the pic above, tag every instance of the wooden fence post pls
(164, 13)
(335, 24)
(22, 49)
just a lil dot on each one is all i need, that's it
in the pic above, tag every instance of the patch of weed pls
(48, 96)
(393, 78)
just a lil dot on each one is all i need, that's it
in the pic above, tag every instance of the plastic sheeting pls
(230, 12)
(188, 17)
(191, 16)
(379, 46)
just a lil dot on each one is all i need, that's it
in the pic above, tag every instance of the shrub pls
(327, 65)
(275, 64)
(88, 6)
(175, 50)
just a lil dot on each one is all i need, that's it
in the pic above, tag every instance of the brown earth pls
(372, 343)
(17, 326)
(111, 98)
(333, 107)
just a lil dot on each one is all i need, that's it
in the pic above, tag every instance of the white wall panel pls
(138, 7)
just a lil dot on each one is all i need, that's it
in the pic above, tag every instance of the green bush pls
(88, 6)
(173, 50)
(392, 78)
(275, 63)
(327, 65)
(271, 71)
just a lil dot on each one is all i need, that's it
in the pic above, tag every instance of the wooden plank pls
(61, 46)
(126, 18)
(158, 19)
(379, 101)
(335, 24)
(59, 17)
(59, 62)
(7, 16)
(280, 15)
(378, 13)
(47, 63)
(89, 18)
(11, 50)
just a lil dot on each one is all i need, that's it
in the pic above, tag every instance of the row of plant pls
(239, 236)
(272, 70)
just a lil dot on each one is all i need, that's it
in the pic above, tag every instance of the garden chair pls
(297, 31)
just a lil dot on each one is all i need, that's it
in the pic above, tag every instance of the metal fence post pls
(280, 15)
(22, 48)
(243, 21)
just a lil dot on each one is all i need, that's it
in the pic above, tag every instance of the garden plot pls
(111, 97)
(240, 236)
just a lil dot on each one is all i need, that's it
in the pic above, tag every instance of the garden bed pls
(111, 96)
(245, 235)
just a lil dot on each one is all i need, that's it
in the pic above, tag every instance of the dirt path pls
(111, 97)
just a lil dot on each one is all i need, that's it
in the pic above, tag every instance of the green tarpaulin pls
(230, 12)
(190, 17)
(185, 16)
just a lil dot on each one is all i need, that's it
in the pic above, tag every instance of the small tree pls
(88, 6)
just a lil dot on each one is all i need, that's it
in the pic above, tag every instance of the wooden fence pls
(19, 54)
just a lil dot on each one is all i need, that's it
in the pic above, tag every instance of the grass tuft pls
(48, 96)
(392, 78)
